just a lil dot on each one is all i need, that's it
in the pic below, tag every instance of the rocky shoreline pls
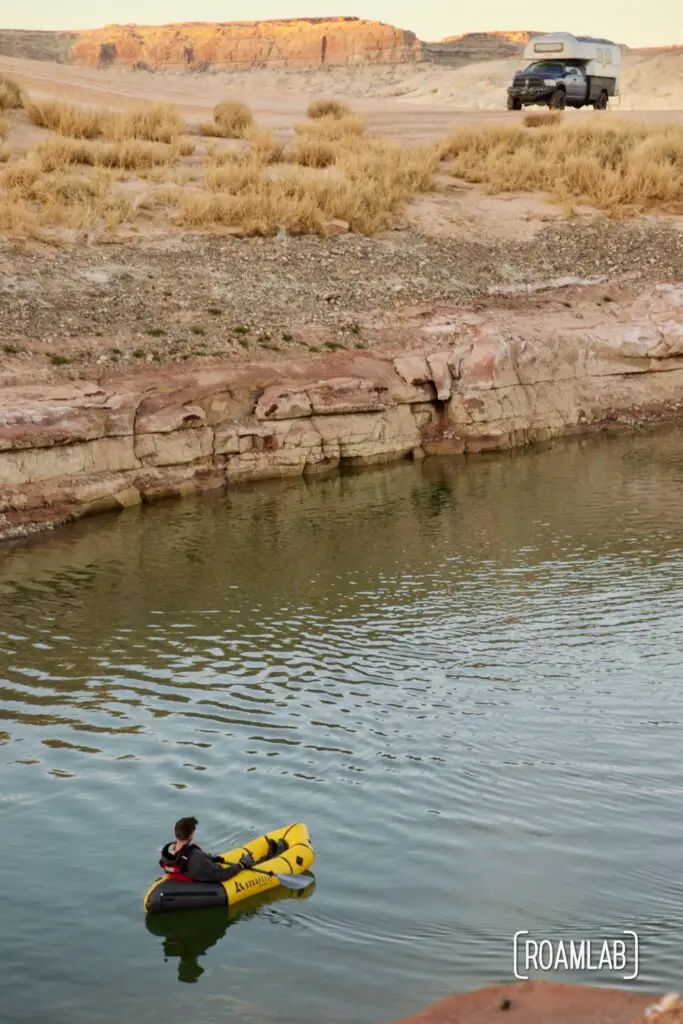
(543, 1002)
(78, 447)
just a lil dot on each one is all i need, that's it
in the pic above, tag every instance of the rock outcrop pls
(291, 42)
(542, 1002)
(73, 449)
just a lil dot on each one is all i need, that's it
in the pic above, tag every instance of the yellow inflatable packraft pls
(296, 857)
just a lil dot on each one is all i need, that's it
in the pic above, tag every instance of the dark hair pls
(184, 827)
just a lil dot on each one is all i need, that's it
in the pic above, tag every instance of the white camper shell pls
(599, 57)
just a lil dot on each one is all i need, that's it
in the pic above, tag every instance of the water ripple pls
(464, 676)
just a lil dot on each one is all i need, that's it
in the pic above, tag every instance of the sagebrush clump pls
(158, 122)
(231, 120)
(12, 96)
(328, 108)
(613, 165)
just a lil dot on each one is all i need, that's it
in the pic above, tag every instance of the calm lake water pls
(465, 676)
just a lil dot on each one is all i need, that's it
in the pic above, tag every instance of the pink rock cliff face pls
(71, 449)
(294, 42)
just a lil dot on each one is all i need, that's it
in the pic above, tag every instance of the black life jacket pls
(176, 864)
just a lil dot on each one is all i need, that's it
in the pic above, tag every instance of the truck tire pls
(558, 100)
(514, 103)
(601, 102)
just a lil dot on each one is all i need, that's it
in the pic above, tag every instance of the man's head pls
(185, 829)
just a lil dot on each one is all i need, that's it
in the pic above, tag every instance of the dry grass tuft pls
(60, 153)
(234, 178)
(332, 129)
(34, 200)
(368, 181)
(542, 118)
(231, 120)
(12, 96)
(159, 122)
(66, 119)
(265, 148)
(311, 152)
(211, 130)
(132, 155)
(328, 108)
(614, 166)
(184, 147)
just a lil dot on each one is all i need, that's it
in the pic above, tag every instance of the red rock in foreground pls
(545, 1002)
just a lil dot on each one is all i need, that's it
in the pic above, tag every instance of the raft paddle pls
(289, 881)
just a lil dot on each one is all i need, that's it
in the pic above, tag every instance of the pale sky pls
(634, 22)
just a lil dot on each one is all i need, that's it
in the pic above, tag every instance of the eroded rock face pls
(290, 42)
(73, 449)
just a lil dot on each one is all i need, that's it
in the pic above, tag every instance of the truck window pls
(545, 67)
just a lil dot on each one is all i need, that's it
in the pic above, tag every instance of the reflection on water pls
(188, 935)
(463, 676)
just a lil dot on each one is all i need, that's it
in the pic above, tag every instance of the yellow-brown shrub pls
(328, 108)
(12, 96)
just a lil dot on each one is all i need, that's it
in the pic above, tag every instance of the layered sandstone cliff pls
(73, 449)
(292, 42)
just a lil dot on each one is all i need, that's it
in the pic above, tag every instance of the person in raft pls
(186, 861)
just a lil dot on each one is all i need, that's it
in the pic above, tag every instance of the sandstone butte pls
(290, 42)
(507, 37)
(544, 1002)
(72, 449)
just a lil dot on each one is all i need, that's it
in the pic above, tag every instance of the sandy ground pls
(412, 103)
(160, 297)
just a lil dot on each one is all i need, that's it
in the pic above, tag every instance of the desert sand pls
(412, 102)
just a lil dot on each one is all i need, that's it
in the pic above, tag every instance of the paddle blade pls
(295, 881)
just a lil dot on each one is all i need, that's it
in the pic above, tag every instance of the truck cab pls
(562, 70)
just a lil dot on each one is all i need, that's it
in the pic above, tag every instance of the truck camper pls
(561, 70)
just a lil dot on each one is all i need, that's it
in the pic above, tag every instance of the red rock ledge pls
(72, 449)
(545, 1002)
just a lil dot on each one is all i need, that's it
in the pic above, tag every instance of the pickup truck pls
(558, 84)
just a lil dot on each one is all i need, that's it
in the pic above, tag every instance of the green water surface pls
(465, 676)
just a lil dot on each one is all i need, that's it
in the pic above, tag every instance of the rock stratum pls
(76, 448)
(296, 42)
(290, 42)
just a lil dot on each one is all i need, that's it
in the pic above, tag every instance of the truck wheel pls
(558, 100)
(601, 102)
(514, 103)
